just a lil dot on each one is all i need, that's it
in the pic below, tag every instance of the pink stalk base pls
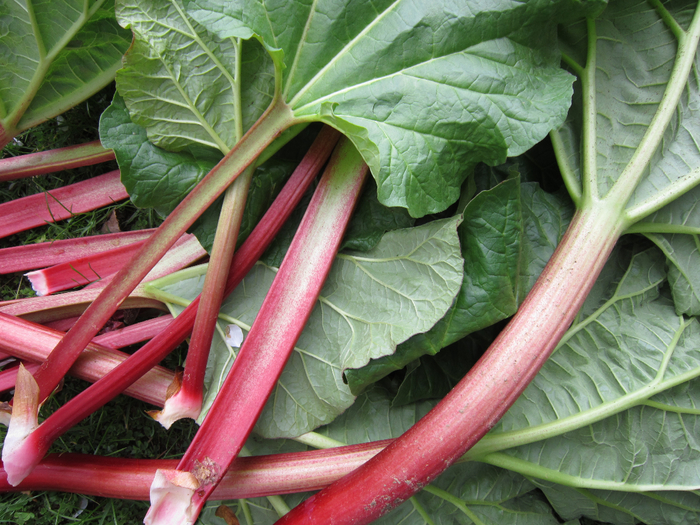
(55, 160)
(277, 327)
(154, 351)
(249, 477)
(62, 203)
(41, 255)
(474, 406)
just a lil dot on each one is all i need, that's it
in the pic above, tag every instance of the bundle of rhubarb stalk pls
(415, 262)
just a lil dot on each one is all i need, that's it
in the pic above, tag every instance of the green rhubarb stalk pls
(177, 496)
(186, 401)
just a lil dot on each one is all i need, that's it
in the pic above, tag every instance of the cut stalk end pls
(171, 498)
(180, 403)
(19, 453)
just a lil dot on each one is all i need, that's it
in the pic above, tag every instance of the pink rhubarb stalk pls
(186, 402)
(177, 496)
(60, 159)
(100, 268)
(62, 203)
(41, 255)
(113, 383)
(485, 393)
(277, 118)
(33, 342)
(249, 477)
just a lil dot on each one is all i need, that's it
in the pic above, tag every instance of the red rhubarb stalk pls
(62, 203)
(177, 496)
(100, 268)
(249, 477)
(41, 255)
(113, 383)
(485, 393)
(278, 118)
(186, 402)
(51, 161)
(33, 342)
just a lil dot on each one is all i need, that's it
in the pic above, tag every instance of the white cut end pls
(179, 406)
(18, 456)
(38, 281)
(171, 498)
(234, 335)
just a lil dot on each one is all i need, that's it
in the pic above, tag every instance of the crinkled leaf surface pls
(371, 302)
(423, 89)
(508, 234)
(630, 80)
(53, 55)
(181, 83)
(615, 406)
(620, 508)
(683, 269)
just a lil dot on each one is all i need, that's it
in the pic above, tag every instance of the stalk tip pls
(19, 456)
(171, 498)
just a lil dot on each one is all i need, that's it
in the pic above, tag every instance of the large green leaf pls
(630, 80)
(508, 234)
(615, 406)
(182, 83)
(424, 90)
(53, 55)
(371, 302)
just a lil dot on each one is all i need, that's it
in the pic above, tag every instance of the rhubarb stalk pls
(177, 496)
(54, 160)
(62, 203)
(113, 383)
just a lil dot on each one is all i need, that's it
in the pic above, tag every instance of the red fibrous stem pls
(249, 477)
(276, 119)
(62, 203)
(32, 342)
(41, 255)
(187, 400)
(267, 347)
(476, 404)
(155, 350)
(54, 160)
(100, 268)
(84, 270)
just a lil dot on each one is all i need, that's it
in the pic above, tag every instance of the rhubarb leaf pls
(420, 115)
(616, 398)
(53, 55)
(683, 272)
(508, 234)
(181, 83)
(371, 302)
(623, 508)
(630, 82)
